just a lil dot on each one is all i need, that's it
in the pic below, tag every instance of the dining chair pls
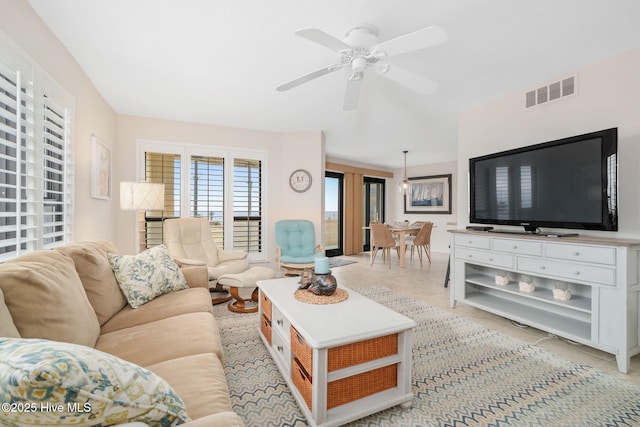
(422, 241)
(381, 238)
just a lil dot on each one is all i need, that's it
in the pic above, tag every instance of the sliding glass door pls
(373, 205)
(333, 213)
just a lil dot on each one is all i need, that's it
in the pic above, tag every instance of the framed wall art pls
(100, 169)
(429, 195)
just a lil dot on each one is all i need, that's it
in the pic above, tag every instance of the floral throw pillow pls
(147, 275)
(46, 382)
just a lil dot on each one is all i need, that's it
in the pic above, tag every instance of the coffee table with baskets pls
(342, 360)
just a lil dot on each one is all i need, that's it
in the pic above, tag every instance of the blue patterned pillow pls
(147, 275)
(54, 383)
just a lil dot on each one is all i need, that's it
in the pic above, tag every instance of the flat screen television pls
(568, 183)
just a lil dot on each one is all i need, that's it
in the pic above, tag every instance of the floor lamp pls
(141, 196)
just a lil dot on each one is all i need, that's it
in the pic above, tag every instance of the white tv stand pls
(601, 274)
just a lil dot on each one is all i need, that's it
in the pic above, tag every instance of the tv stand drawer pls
(595, 254)
(473, 241)
(485, 257)
(520, 247)
(579, 273)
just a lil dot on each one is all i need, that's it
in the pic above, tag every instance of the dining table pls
(402, 232)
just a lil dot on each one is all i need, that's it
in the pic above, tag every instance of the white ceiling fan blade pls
(308, 77)
(352, 94)
(421, 39)
(409, 79)
(320, 37)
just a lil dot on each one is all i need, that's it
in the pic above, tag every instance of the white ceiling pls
(219, 61)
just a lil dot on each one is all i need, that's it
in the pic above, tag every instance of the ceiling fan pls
(360, 50)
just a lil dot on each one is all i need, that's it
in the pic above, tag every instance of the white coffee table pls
(342, 361)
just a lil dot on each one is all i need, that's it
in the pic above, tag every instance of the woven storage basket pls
(265, 304)
(301, 350)
(348, 389)
(361, 352)
(345, 355)
(265, 327)
(302, 381)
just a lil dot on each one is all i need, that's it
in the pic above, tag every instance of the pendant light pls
(405, 184)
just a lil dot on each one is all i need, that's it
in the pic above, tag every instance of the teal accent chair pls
(296, 245)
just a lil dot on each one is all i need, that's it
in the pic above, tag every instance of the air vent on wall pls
(551, 92)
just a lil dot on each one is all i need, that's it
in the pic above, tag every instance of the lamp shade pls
(141, 196)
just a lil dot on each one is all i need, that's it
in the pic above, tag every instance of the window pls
(36, 158)
(247, 205)
(162, 168)
(230, 197)
(206, 198)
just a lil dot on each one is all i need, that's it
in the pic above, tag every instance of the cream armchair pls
(190, 242)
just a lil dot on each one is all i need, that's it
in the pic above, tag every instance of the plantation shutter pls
(247, 205)
(207, 193)
(57, 161)
(162, 168)
(17, 168)
(36, 160)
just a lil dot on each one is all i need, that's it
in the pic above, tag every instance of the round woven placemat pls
(310, 298)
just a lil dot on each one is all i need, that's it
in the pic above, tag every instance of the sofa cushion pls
(200, 382)
(46, 299)
(165, 339)
(86, 386)
(147, 275)
(7, 327)
(179, 302)
(96, 275)
(197, 276)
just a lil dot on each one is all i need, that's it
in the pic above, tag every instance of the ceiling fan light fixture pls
(359, 64)
(405, 185)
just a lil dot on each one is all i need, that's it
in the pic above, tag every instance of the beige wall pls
(608, 96)
(93, 218)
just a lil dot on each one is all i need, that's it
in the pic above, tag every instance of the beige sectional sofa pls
(71, 295)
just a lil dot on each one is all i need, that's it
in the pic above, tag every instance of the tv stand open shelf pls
(601, 275)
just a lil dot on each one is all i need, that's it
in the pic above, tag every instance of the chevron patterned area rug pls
(464, 374)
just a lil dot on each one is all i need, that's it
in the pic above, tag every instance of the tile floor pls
(427, 284)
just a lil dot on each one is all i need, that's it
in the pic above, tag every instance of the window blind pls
(36, 161)
(207, 193)
(247, 205)
(166, 169)
(55, 159)
(15, 113)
